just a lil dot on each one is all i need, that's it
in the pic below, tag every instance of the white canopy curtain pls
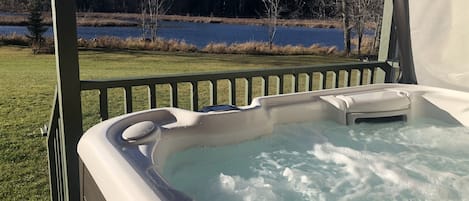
(440, 42)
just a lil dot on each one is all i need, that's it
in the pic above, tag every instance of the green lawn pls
(26, 93)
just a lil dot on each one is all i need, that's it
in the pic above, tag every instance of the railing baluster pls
(233, 91)
(280, 83)
(245, 101)
(277, 85)
(103, 104)
(349, 77)
(361, 75)
(324, 79)
(152, 96)
(337, 81)
(249, 90)
(367, 78)
(61, 164)
(305, 83)
(295, 80)
(357, 77)
(214, 93)
(59, 168)
(53, 170)
(372, 75)
(54, 163)
(310, 81)
(195, 95)
(174, 94)
(266, 85)
(128, 99)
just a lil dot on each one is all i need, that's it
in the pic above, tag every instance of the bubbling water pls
(423, 160)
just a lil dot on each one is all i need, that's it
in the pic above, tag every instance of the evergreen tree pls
(36, 26)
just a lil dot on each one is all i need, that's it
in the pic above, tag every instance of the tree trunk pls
(376, 35)
(360, 38)
(272, 10)
(143, 20)
(323, 9)
(346, 27)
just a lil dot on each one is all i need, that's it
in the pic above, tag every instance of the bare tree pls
(345, 14)
(272, 12)
(143, 10)
(377, 18)
(365, 12)
(151, 12)
(359, 14)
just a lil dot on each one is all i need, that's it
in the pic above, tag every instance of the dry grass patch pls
(109, 42)
(262, 48)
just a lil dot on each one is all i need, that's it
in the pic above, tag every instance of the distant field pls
(26, 93)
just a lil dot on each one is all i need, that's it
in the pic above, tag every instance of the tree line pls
(357, 16)
(221, 8)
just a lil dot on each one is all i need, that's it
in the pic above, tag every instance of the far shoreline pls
(92, 19)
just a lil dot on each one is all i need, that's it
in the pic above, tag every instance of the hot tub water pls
(422, 160)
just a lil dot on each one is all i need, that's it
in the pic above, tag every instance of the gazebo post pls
(69, 99)
(401, 13)
(387, 38)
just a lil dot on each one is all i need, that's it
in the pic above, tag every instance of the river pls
(201, 34)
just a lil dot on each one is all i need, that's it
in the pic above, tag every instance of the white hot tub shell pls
(125, 155)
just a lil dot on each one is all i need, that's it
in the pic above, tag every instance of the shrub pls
(14, 39)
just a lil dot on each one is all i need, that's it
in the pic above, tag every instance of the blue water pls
(201, 34)
(422, 160)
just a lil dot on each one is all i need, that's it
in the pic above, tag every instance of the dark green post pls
(68, 83)
(406, 61)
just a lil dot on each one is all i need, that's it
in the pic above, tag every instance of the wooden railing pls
(314, 77)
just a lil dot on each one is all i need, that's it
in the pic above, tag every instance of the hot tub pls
(124, 158)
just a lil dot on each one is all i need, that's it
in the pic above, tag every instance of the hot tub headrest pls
(368, 104)
(378, 101)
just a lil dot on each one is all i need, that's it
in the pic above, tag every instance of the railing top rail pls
(178, 78)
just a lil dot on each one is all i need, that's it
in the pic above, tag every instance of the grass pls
(28, 83)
